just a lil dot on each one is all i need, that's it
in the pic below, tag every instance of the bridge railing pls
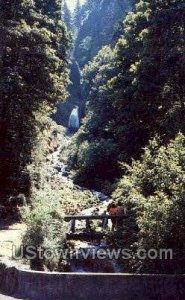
(104, 218)
(94, 217)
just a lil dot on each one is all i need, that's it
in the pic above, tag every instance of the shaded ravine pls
(62, 171)
(75, 98)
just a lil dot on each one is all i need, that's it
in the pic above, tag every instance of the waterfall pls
(74, 122)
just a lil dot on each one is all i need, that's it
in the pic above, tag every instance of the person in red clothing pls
(112, 210)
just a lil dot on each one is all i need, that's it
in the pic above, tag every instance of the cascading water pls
(59, 170)
(74, 120)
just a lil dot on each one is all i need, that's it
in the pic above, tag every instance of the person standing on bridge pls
(112, 210)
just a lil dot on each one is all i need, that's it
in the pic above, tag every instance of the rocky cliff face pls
(100, 26)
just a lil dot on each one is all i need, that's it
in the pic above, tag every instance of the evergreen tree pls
(100, 23)
(34, 76)
(144, 92)
(153, 193)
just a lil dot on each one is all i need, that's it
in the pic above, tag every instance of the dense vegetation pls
(74, 98)
(153, 191)
(131, 142)
(75, 95)
(100, 23)
(135, 99)
(134, 90)
(34, 76)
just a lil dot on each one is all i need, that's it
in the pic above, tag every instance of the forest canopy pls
(34, 76)
(121, 65)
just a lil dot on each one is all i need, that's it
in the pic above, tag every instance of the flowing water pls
(61, 170)
(90, 264)
(74, 120)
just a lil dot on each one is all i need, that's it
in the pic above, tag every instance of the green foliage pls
(34, 76)
(45, 227)
(64, 109)
(95, 161)
(154, 191)
(95, 142)
(100, 21)
(136, 90)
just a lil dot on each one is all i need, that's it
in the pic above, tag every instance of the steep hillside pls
(100, 26)
(95, 24)
(75, 97)
(134, 91)
(34, 76)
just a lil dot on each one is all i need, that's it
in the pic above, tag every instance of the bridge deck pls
(93, 217)
(89, 233)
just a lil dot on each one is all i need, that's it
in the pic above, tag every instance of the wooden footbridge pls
(88, 232)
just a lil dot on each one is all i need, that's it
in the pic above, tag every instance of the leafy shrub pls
(45, 226)
(95, 160)
(154, 190)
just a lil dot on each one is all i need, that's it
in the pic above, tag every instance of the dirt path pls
(10, 234)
